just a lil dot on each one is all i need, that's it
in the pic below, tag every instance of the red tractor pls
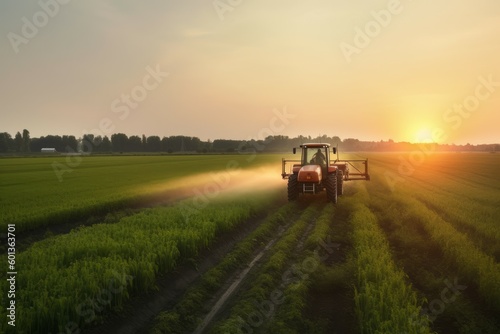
(316, 172)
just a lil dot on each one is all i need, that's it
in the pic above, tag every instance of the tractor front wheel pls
(331, 188)
(293, 191)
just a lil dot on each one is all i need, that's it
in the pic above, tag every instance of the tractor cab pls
(315, 156)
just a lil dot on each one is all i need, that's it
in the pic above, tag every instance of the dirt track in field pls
(234, 284)
(240, 277)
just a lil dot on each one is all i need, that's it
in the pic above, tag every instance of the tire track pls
(307, 219)
(233, 287)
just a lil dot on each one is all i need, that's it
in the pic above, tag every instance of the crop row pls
(476, 217)
(259, 301)
(70, 280)
(467, 200)
(186, 313)
(438, 279)
(289, 315)
(384, 302)
(472, 263)
(460, 219)
(442, 222)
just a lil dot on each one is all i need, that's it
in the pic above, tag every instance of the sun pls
(424, 135)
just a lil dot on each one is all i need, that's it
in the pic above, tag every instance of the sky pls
(409, 70)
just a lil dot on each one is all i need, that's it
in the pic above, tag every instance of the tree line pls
(88, 143)
(120, 142)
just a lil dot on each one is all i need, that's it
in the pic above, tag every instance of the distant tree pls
(350, 144)
(172, 144)
(323, 139)
(144, 143)
(55, 142)
(70, 143)
(5, 142)
(193, 144)
(336, 140)
(226, 145)
(88, 143)
(50, 141)
(35, 145)
(153, 144)
(26, 140)
(135, 144)
(18, 140)
(164, 144)
(106, 144)
(97, 142)
(119, 142)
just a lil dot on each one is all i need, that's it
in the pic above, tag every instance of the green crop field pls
(414, 250)
(50, 190)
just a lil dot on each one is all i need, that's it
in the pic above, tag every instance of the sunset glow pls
(424, 136)
(374, 71)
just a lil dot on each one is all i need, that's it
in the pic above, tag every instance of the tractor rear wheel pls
(331, 188)
(340, 183)
(293, 191)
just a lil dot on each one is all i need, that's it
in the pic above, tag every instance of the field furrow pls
(263, 291)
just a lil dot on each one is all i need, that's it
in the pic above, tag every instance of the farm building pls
(48, 150)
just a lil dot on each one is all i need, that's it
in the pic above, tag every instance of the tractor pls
(316, 171)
